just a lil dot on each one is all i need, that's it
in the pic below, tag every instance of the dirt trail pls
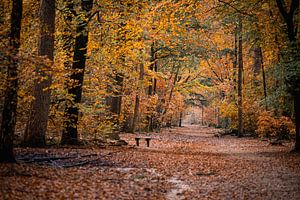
(181, 163)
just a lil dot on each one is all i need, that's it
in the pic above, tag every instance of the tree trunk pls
(137, 99)
(235, 59)
(10, 98)
(170, 95)
(297, 116)
(264, 78)
(152, 86)
(180, 120)
(70, 132)
(37, 123)
(240, 78)
(257, 61)
(294, 51)
(117, 96)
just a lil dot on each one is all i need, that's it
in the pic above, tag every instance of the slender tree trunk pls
(10, 98)
(152, 86)
(70, 132)
(137, 99)
(117, 96)
(115, 101)
(170, 95)
(264, 78)
(235, 58)
(240, 79)
(180, 120)
(37, 123)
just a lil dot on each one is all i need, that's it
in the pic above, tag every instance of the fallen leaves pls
(181, 163)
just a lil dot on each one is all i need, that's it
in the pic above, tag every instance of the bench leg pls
(137, 141)
(148, 143)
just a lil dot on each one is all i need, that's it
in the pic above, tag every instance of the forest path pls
(181, 163)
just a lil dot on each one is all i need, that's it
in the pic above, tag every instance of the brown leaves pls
(181, 163)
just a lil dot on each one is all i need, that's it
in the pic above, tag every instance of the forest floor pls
(181, 163)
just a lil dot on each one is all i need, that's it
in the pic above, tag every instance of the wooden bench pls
(137, 139)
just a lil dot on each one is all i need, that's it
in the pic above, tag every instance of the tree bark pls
(170, 95)
(240, 79)
(257, 60)
(137, 99)
(70, 132)
(152, 86)
(297, 116)
(264, 78)
(235, 59)
(10, 98)
(288, 17)
(116, 100)
(36, 127)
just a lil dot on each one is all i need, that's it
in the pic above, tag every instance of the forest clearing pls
(149, 99)
(181, 163)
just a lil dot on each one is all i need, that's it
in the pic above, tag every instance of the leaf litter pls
(181, 163)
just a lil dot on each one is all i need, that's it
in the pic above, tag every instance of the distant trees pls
(146, 60)
(10, 100)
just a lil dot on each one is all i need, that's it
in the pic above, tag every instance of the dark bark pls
(240, 79)
(137, 99)
(291, 28)
(70, 132)
(264, 78)
(10, 98)
(152, 86)
(116, 100)
(37, 123)
(297, 114)
(235, 58)
(257, 60)
(289, 17)
(67, 38)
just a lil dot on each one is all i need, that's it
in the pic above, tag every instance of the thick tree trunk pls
(137, 99)
(289, 17)
(240, 79)
(37, 123)
(10, 98)
(297, 116)
(70, 132)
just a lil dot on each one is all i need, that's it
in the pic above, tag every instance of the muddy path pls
(181, 163)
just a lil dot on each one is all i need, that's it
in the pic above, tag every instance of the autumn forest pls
(118, 92)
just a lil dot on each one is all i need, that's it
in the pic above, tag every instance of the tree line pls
(87, 68)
